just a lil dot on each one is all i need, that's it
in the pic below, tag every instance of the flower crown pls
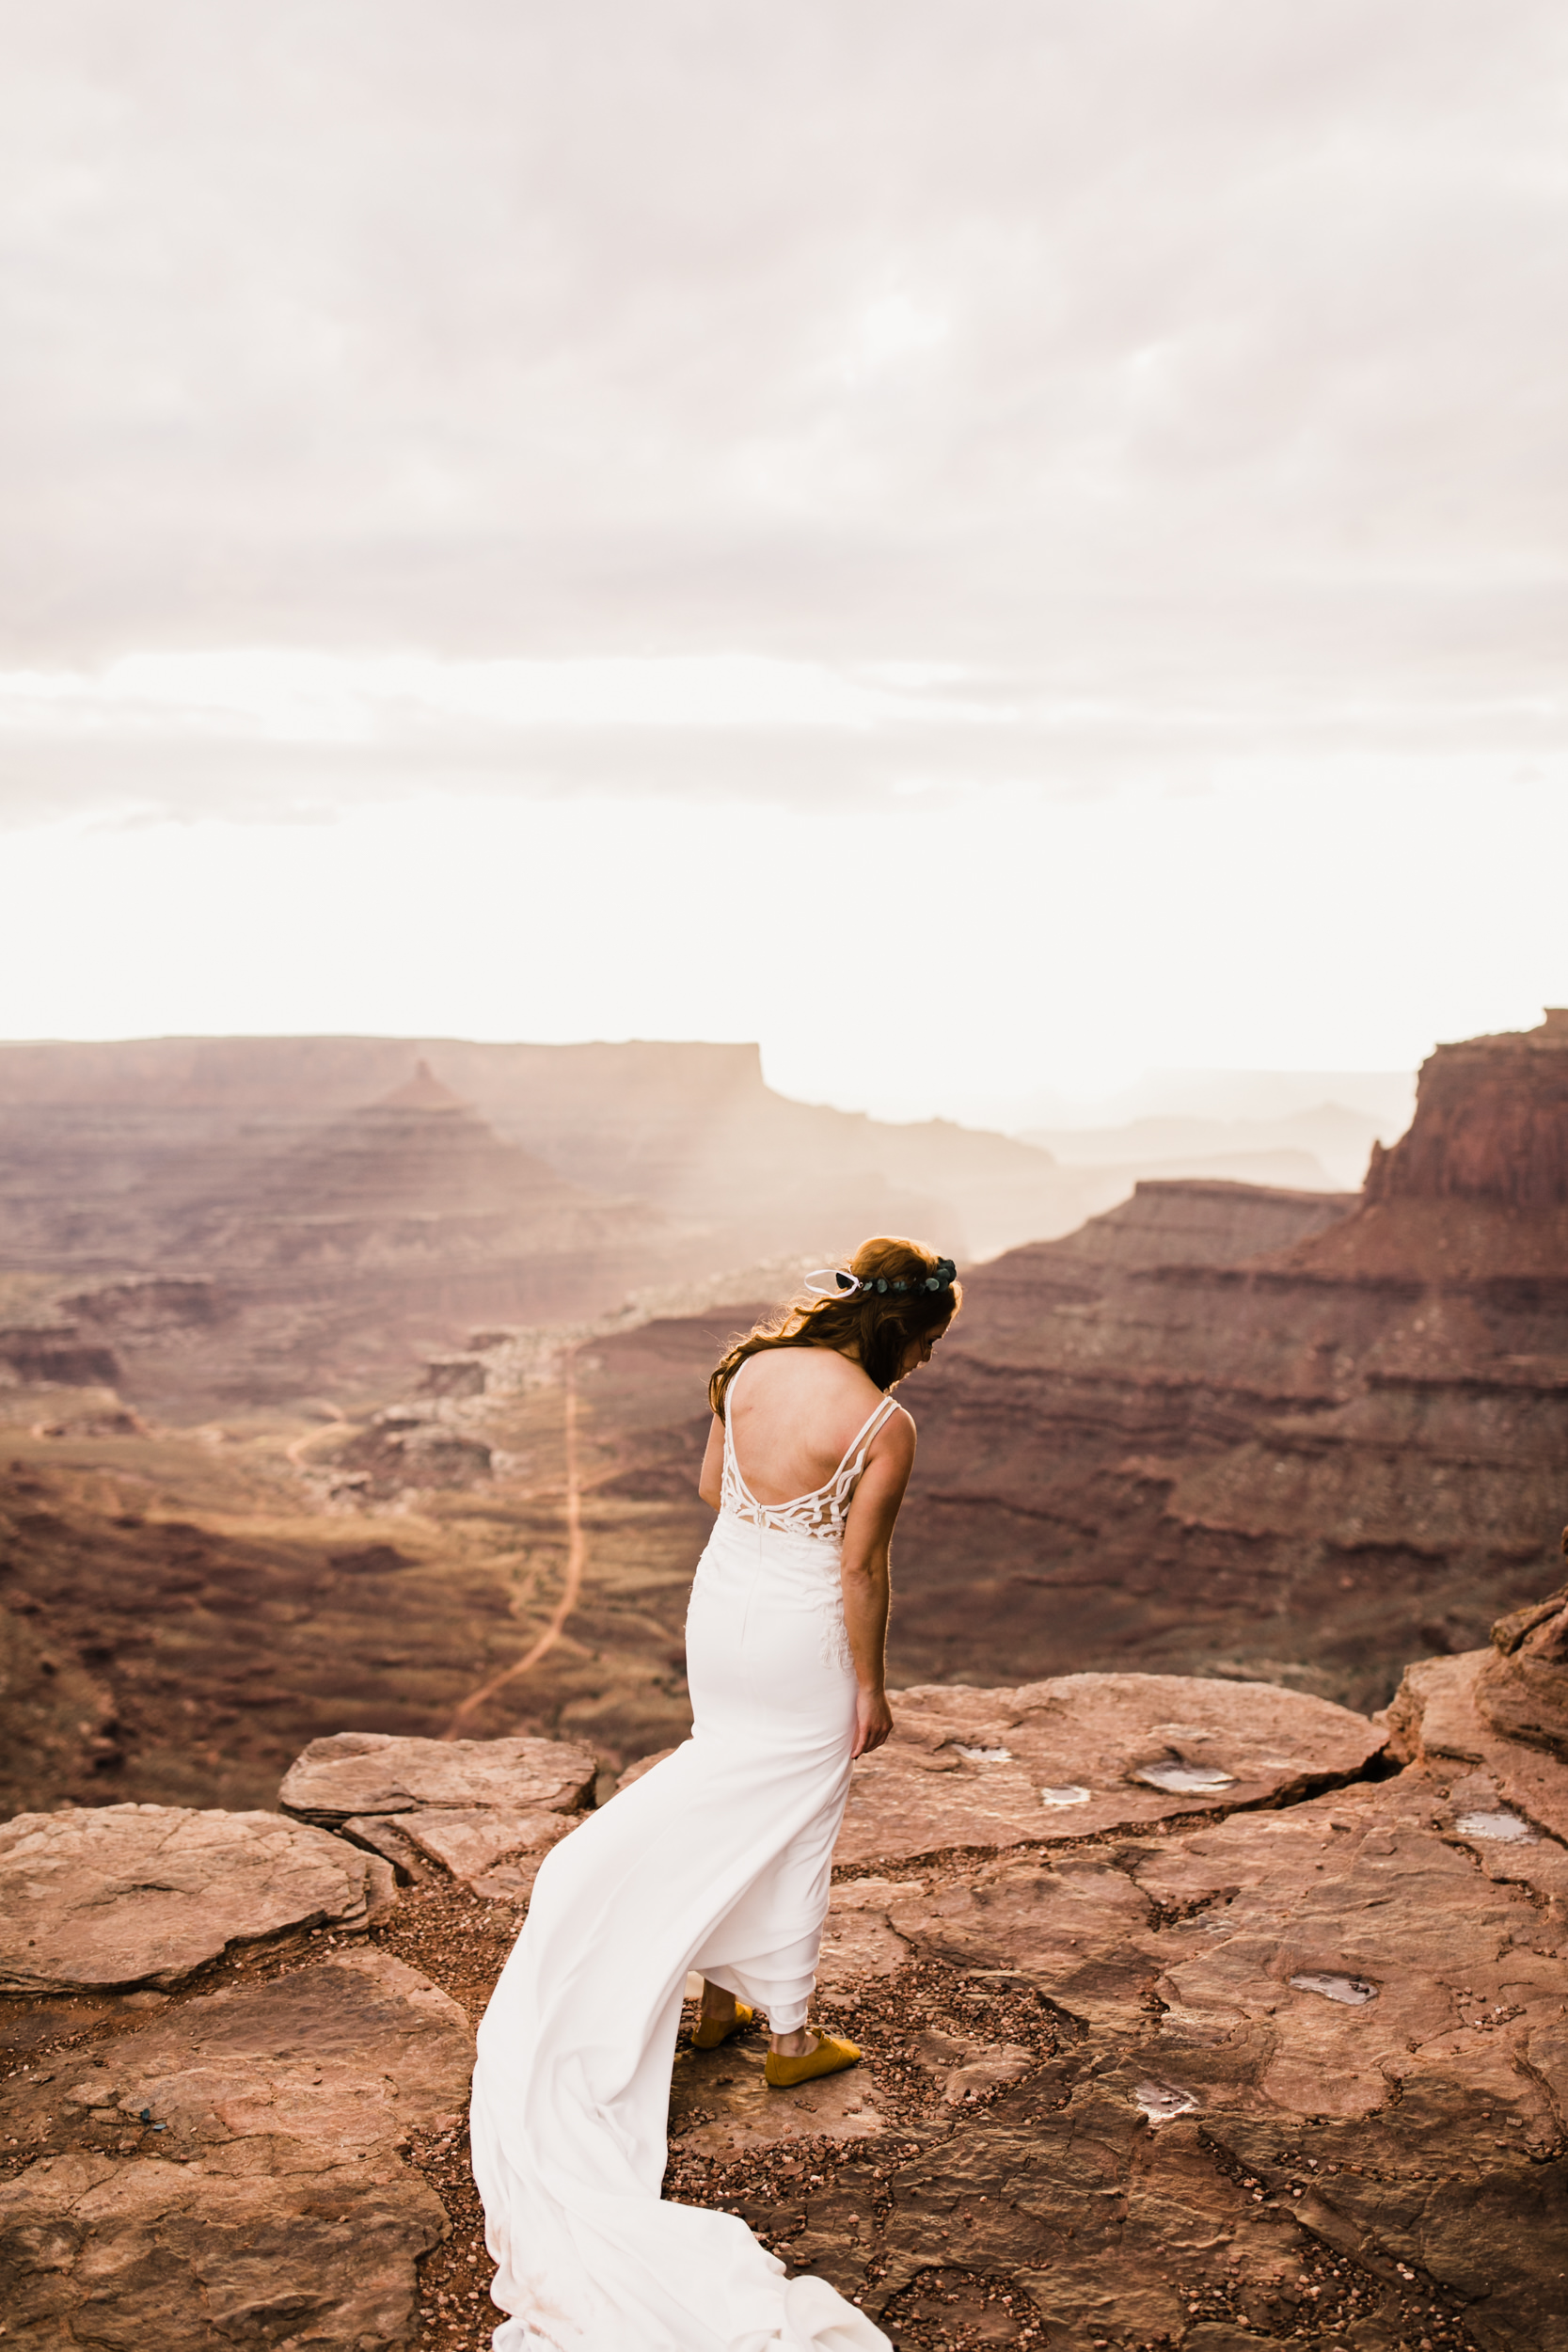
(829, 1281)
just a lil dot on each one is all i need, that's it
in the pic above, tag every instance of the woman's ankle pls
(796, 2044)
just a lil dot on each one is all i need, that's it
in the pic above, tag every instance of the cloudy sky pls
(990, 549)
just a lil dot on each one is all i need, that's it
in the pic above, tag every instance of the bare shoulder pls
(830, 1389)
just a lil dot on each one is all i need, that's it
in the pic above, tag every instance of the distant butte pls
(1478, 1189)
(423, 1092)
(418, 1151)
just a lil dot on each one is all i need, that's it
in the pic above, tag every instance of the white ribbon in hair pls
(831, 1281)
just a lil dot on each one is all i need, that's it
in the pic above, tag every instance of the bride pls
(717, 1860)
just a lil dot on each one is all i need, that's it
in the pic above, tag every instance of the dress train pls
(717, 1860)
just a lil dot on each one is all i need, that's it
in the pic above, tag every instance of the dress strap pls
(822, 1511)
(874, 1421)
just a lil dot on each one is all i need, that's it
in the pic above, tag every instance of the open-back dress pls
(717, 1860)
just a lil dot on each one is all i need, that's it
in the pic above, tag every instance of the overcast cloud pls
(1188, 360)
(705, 402)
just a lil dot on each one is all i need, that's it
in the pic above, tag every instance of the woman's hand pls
(873, 1722)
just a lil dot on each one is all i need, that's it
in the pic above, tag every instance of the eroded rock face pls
(232, 2174)
(1436, 1719)
(1523, 1687)
(1492, 1124)
(146, 1894)
(405, 1449)
(485, 1811)
(1083, 1754)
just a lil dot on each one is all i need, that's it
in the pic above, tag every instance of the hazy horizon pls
(1383, 1099)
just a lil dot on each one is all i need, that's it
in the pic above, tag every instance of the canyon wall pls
(1226, 1429)
(1491, 1125)
(1181, 1434)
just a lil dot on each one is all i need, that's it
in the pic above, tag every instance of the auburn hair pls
(877, 1326)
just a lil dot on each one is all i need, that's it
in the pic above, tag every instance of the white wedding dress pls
(717, 1860)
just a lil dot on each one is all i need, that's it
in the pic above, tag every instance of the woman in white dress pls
(717, 1860)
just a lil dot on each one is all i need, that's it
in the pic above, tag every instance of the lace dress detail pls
(823, 1512)
(820, 1514)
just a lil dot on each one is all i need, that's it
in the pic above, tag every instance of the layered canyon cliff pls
(1230, 1429)
(1223, 1429)
(1348, 1443)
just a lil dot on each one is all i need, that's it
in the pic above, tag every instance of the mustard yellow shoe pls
(829, 2058)
(708, 2032)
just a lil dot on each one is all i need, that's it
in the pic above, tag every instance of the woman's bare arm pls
(710, 1478)
(866, 1570)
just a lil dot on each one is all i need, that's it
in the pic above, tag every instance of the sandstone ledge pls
(485, 1812)
(148, 1894)
(372, 1772)
(1306, 2057)
(1257, 2060)
(234, 2172)
(1085, 1754)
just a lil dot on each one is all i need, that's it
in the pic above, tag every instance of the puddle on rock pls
(1159, 2102)
(1178, 1779)
(1506, 1826)
(1057, 1798)
(984, 1755)
(1353, 1991)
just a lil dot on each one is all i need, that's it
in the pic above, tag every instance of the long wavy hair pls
(876, 1325)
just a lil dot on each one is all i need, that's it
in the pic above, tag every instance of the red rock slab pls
(1271, 1744)
(1400, 2102)
(642, 1765)
(1330, 1956)
(720, 2105)
(1075, 1926)
(905, 1802)
(857, 1941)
(372, 1772)
(470, 1841)
(1422, 2191)
(1339, 2024)
(1523, 1690)
(211, 2177)
(146, 1894)
(1058, 2195)
(965, 2067)
(510, 1880)
(1054, 1761)
(378, 1834)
